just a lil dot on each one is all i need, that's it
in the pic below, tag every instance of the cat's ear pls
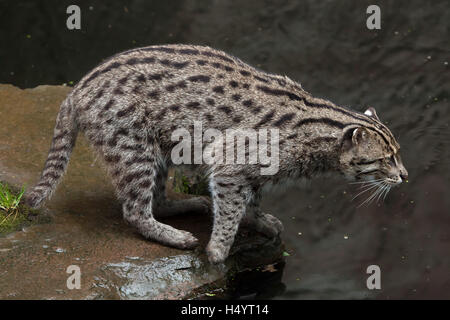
(359, 135)
(371, 113)
(354, 137)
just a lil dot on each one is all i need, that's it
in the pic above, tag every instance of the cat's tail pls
(64, 137)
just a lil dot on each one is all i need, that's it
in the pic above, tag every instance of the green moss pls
(11, 221)
(197, 185)
(9, 201)
(14, 215)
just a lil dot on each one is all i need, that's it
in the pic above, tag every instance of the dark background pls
(402, 70)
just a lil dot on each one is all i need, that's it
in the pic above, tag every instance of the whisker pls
(379, 190)
(380, 193)
(384, 188)
(373, 195)
(365, 190)
(387, 191)
(369, 185)
(367, 181)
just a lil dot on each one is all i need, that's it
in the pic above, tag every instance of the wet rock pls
(86, 227)
(189, 275)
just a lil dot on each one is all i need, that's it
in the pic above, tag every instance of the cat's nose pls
(404, 175)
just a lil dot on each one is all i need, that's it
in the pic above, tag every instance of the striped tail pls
(64, 137)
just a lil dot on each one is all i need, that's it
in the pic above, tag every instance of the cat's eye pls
(367, 161)
(392, 160)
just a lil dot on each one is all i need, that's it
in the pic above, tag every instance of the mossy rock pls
(19, 217)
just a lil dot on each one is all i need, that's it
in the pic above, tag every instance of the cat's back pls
(174, 85)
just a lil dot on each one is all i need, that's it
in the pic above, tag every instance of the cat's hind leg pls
(134, 170)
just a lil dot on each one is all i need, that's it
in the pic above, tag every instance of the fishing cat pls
(129, 105)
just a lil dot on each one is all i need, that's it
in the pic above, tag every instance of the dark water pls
(402, 70)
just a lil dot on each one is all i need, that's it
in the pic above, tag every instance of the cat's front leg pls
(229, 202)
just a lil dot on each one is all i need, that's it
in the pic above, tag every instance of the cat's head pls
(371, 153)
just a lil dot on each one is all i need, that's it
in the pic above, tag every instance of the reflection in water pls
(262, 283)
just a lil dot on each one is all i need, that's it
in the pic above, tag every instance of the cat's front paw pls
(276, 224)
(269, 225)
(217, 252)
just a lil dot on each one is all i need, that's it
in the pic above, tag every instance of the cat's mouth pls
(393, 181)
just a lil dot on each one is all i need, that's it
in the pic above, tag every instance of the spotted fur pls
(128, 106)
